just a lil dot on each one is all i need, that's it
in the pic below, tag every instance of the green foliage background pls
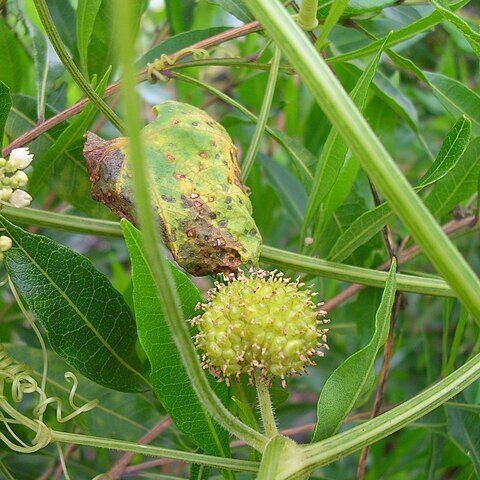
(411, 68)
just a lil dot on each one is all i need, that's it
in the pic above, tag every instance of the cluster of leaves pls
(412, 70)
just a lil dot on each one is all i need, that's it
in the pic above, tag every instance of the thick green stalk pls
(340, 445)
(364, 144)
(157, 262)
(280, 258)
(80, 80)
(307, 16)
(201, 459)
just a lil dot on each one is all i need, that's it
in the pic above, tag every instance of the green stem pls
(159, 269)
(266, 410)
(200, 458)
(271, 458)
(280, 258)
(349, 273)
(364, 145)
(228, 62)
(263, 116)
(338, 446)
(59, 47)
(307, 16)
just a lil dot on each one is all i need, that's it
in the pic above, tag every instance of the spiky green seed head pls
(261, 324)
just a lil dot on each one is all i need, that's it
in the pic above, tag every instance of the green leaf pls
(333, 153)
(347, 382)
(177, 42)
(453, 148)
(455, 96)
(236, 7)
(360, 231)
(464, 431)
(354, 7)
(180, 14)
(101, 51)
(63, 16)
(12, 59)
(87, 11)
(288, 188)
(41, 60)
(168, 375)
(334, 13)
(459, 184)
(472, 37)
(5, 104)
(370, 223)
(398, 36)
(87, 321)
(71, 135)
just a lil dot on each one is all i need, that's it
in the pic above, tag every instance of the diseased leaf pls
(464, 431)
(5, 104)
(347, 382)
(168, 375)
(86, 14)
(201, 204)
(87, 321)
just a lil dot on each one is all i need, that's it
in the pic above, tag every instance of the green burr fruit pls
(262, 324)
(202, 206)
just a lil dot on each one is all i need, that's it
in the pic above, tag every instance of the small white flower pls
(19, 179)
(5, 193)
(5, 243)
(20, 199)
(20, 158)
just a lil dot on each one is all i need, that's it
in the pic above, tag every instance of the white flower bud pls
(20, 199)
(3, 162)
(20, 158)
(5, 193)
(19, 179)
(5, 243)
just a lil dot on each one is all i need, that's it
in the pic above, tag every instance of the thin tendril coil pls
(164, 61)
(19, 376)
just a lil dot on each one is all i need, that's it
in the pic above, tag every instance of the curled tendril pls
(19, 376)
(165, 61)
